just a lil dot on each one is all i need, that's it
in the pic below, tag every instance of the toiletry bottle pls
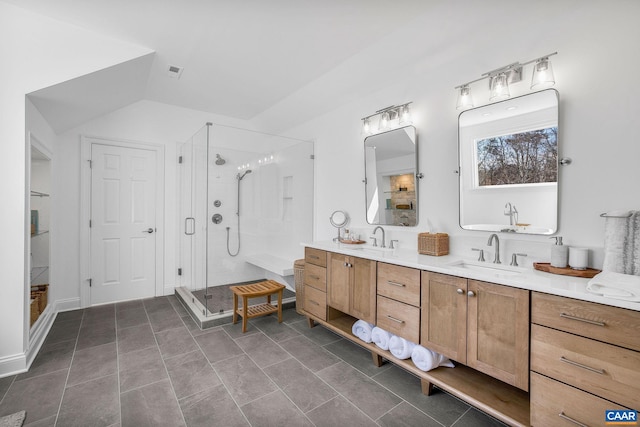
(559, 253)
(346, 234)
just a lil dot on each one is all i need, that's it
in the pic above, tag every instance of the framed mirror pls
(391, 185)
(508, 155)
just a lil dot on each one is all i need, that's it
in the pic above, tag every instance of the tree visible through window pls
(520, 158)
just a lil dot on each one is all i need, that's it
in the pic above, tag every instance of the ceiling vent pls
(174, 71)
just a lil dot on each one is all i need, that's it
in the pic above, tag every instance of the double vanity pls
(531, 348)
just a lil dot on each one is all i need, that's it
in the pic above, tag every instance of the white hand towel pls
(362, 330)
(634, 228)
(615, 285)
(400, 347)
(426, 359)
(381, 338)
(616, 241)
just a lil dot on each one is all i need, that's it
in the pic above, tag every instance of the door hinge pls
(180, 159)
(90, 282)
(89, 223)
(312, 156)
(90, 164)
(179, 272)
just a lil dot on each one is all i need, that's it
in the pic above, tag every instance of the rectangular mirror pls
(508, 154)
(391, 187)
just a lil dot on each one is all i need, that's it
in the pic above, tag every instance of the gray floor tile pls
(99, 314)
(92, 363)
(309, 354)
(274, 330)
(213, 406)
(93, 403)
(4, 385)
(155, 305)
(190, 373)
(244, 380)
(318, 334)
(373, 399)
(274, 410)
(63, 330)
(135, 338)
(165, 319)
(262, 350)
(177, 305)
(140, 368)
(39, 396)
(45, 422)
(290, 316)
(356, 356)
(50, 358)
(302, 386)
(235, 330)
(475, 418)
(97, 333)
(217, 345)
(191, 325)
(405, 415)
(176, 341)
(129, 305)
(69, 315)
(441, 406)
(132, 317)
(339, 412)
(151, 406)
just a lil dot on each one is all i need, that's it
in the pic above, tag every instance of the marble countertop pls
(504, 274)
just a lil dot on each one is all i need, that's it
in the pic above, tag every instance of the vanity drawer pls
(315, 302)
(602, 369)
(614, 325)
(556, 404)
(398, 318)
(315, 277)
(399, 283)
(315, 256)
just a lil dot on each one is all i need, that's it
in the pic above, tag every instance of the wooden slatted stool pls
(254, 290)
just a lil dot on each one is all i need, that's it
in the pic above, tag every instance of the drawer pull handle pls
(394, 319)
(580, 319)
(313, 302)
(471, 294)
(402, 285)
(314, 257)
(578, 423)
(580, 365)
(315, 277)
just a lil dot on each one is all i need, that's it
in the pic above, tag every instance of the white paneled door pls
(123, 223)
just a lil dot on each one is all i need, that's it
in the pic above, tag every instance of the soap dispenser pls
(559, 253)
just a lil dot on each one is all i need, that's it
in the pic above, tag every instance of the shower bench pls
(254, 290)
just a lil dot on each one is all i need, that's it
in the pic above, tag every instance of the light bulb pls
(384, 121)
(464, 98)
(366, 126)
(542, 74)
(499, 87)
(405, 114)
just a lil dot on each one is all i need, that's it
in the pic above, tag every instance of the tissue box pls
(435, 244)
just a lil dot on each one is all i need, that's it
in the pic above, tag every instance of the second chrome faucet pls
(496, 258)
(383, 237)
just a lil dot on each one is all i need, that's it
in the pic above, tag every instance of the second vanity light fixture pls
(389, 117)
(500, 79)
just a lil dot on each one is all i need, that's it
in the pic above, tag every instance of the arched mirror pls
(508, 153)
(391, 184)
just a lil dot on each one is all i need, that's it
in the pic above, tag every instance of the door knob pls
(148, 230)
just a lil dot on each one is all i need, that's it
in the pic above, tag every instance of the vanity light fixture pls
(389, 118)
(501, 78)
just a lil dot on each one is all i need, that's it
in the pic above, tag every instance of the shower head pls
(219, 160)
(242, 176)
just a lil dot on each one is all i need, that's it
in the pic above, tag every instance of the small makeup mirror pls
(339, 219)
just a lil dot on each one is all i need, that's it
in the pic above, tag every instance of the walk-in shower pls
(239, 178)
(239, 186)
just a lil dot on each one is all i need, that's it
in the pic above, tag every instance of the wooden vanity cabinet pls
(482, 325)
(351, 286)
(315, 283)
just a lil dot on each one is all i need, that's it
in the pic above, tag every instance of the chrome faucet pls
(512, 213)
(383, 239)
(496, 259)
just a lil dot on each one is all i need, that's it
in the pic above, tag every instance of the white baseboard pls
(67, 304)
(12, 365)
(169, 289)
(39, 332)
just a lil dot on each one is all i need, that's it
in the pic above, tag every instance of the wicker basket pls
(298, 275)
(41, 292)
(435, 244)
(35, 309)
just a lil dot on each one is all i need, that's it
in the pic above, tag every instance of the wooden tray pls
(352, 242)
(567, 271)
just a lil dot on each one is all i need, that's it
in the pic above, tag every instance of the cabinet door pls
(338, 279)
(444, 315)
(498, 332)
(363, 290)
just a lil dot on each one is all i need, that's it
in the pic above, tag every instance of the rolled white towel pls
(381, 338)
(400, 347)
(426, 359)
(615, 285)
(362, 330)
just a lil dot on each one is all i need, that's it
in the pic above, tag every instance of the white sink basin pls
(487, 268)
(370, 249)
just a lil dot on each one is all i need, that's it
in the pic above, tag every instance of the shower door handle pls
(193, 227)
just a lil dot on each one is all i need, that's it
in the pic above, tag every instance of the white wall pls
(598, 113)
(32, 43)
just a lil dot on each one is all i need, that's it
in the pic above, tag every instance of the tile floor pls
(145, 363)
